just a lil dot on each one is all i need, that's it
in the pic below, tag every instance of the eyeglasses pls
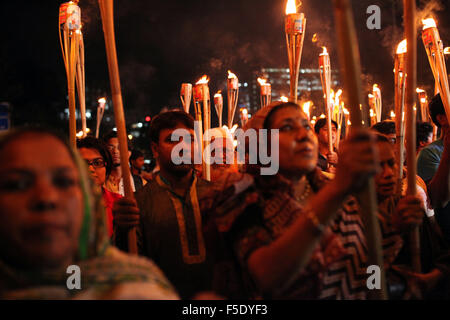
(96, 163)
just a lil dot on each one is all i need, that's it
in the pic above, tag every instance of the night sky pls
(164, 43)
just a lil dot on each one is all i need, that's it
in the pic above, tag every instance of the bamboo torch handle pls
(411, 81)
(351, 69)
(107, 13)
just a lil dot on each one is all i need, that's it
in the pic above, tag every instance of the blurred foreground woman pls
(51, 219)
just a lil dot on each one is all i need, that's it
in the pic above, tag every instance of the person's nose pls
(388, 172)
(44, 195)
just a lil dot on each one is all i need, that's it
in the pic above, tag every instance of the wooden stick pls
(73, 48)
(107, 13)
(411, 70)
(351, 70)
(81, 84)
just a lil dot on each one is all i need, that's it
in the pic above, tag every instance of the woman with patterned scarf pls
(52, 218)
(297, 235)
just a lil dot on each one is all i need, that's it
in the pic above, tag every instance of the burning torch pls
(81, 80)
(400, 91)
(218, 104)
(295, 24)
(244, 116)
(325, 77)
(185, 96)
(69, 24)
(233, 94)
(378, 105)
(202, 102)
(100, 112)
(435, 51)
(266, 92)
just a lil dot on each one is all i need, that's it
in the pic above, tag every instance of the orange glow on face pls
(428, 23)
(203, 80)
(401, 48)
(231, 75)
(262, 81)
(291, 7)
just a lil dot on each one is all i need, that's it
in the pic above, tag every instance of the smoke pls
(429, 10)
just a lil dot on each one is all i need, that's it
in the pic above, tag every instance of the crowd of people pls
(298, 234)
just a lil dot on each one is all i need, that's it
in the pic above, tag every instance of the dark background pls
(164, 43)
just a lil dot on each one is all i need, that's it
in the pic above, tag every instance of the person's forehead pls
(89, 153)
(290, 113)
(113, 141)
(385, 150)
(40, 151)
(168, 131)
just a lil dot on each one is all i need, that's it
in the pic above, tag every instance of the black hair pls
(384, 127)
(169, 120)
(135, 153)
(321, 123)
(113, 134)
(94, 143)
(423, 131)
(436, 108)
(379, 137)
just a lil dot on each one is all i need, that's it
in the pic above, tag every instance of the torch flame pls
(291, 7)
(262, 81)
(314, 38)
(418, 90)
(401, 48)
(447, 50)
(324, 52)
(370, 97)
(231, 75)
(306, 106)
(338, 93)
(203, 80)
(346, 111)
(102, 100)
(392, 114)
(428, 23)
(284, 99)
(244, 111)
(218, 94)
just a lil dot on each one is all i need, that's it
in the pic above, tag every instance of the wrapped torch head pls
(70, 16)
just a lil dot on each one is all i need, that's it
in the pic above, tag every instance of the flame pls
(371, 113)
(102, 100)
(338, 93)
(244, 111)
(370, 97)
(346, 111)
(428, 23)
(262, 81)
(392, 114)
(203, 80)
(306, 107)
(349, 123)
(322, 116)
(284, 99)
(423, 100)
(231, 75)
(401, 48)
(447, 50)
(324, 52)
(418, 90)
(314, 38)
(291, 7)
(218, 94)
